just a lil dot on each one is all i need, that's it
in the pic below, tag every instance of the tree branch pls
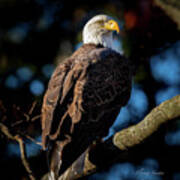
(171, 8)
(123, 141)
(24, 157)
(4, 129)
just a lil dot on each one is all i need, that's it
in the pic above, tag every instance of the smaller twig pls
(17, 123)
(2, 107)
(32, 107)
(26, 116)
(4, 129)
(16, 107)
(6, 132)
(3, 118)
(33, 140)
(27, 119)
(35, 117)
(24, 157)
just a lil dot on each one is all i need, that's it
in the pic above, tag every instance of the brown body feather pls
(83, 99)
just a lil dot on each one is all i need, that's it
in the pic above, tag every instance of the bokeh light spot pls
(36, 87)
(117, 172)
(18, 33)
(173, 138)
(117, 45)
(47, 18)
(78, 45)
(31, 148)
(24, 73)
(176, 176)
(138, 102)
(165, 67)
(165, 94)
(13, 149)
(151, 163)
(122, 120)
(12, 82)
(47, 70)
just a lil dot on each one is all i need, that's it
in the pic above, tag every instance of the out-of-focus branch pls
(4, 129)
(18, 136)
(124, 140)
(33, 140)
(172, 9)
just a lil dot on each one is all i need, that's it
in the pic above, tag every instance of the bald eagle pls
(84, 95)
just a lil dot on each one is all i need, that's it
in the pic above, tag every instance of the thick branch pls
(124, 140)
(136, 134)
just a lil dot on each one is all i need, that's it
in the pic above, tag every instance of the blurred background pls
(36, 35)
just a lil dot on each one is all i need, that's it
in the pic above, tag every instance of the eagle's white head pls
(99, 30)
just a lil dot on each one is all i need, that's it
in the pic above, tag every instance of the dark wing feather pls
(52, 96)
(55, 104)
(83, 99)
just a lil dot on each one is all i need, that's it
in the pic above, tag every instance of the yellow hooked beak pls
(112, 26)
